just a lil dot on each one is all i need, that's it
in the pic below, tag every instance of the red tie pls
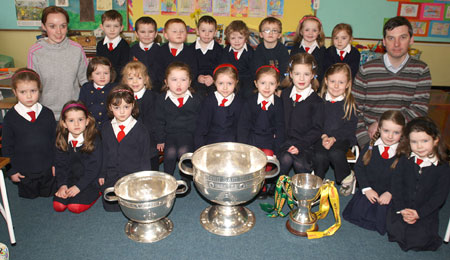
(146, 49)
(180, 102)
(332, 101)
(264, 103)
(223, 102)
(74, 143)
(99, 88)
(307, 49)
(135, 97)
(297, 97)
(174, 51)
(236, 55)
(32, 114)
(419, 161)
(342, 55)
(121, 133)
(110, 48)
(385, 154)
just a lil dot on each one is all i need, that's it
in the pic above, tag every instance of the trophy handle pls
(289, 195)
(184, 168)
(183, 189)
(109, 198)
(274, 172)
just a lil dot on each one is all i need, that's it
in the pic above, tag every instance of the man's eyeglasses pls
(268, 31)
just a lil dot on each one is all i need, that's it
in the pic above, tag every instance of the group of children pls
(175, 98)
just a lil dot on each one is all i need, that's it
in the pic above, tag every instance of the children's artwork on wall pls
(169, 7)
(439, 29)
(257, 8)
(104, 5)
(239, 8)
(204, 5)
(29, 12)
(221, 7)
(62, 3)
(185, 7)
(447, 12)
(432, 12)
(420, 28)
(151, 6)
(409, 10)
(275, 8)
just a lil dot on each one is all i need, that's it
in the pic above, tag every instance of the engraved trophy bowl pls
(146, 198)
(305, 188)
(228, 174)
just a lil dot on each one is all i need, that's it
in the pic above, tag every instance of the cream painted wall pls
(436, 55)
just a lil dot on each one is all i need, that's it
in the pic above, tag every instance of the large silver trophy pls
(305, 188)
(228, 174)
(146, 198)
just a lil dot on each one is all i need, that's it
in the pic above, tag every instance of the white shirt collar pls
(140, 93)
(346, 50)
(174, 99)
(97, 86)
(389, 66)
(79, 139)
(328, 98)
(219, 98)
(311, 48)
(114, 41)
(304, 93)
(143, 46)
(426, 161)
(381, 145)
(129, 124)
(271, 100)
(210, 46)
(240, 51)
(23, 110)
(178, 50)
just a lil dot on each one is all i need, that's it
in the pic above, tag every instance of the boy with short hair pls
(147, 49)
(113, 46)
(240, 54)
(271, 51)
(208, 52)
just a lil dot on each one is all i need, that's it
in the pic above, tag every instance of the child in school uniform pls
(420, 186)
(342, 50)
(147, 49)
(370, 204)
(271, 51)
(310, 38)
(261, 123)
(175, 31)
(176, 115)
(303, 115)
(29, 138)
(135, 75)
(217, 120)
(78, 159)
(93, 94)
(113, 46)
(125, 141)
(240, 54)
(208, 53)
(339, 129)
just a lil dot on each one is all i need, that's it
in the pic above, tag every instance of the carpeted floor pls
(42, 233)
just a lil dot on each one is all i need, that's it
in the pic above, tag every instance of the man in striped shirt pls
(395, 81)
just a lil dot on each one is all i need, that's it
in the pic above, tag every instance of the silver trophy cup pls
(305, 188)
(228, 174)
(146, 198)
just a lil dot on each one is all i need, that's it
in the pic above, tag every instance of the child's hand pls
(385, 198)
(201, 79)
(62, 192)
(160, 147)
(73, 191)
(101, 181)
(16, 177)
(327, 142)
(208, 80)
(293, 150)
(372, 196)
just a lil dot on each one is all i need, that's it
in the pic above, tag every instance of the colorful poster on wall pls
(204, 5)
(221, 7)
(185, 7)
(239, 8)
(151, 6)
(104, 5)
(420, 28)
(168, 7)
(257, 8)
(439, 29)
(275, 8)
(28, 12)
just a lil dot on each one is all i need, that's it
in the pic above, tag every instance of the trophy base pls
(149, 232)
(300, 228)
(300, 233)
(227, 220)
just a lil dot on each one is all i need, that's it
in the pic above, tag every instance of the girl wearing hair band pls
(29, 138)
(78, 159)
(125, 141)
(218, 118)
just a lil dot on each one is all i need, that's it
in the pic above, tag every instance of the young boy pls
(208, 52)
(146, 50)
(271, 51)
(240, 54)
(29, 138)
(175, 31)
(113, 46)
